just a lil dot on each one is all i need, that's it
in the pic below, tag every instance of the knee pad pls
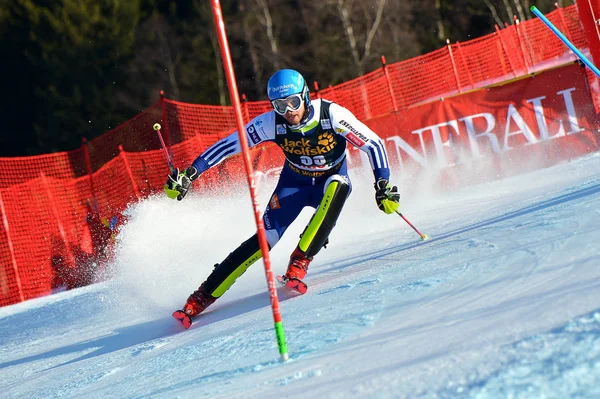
(316, 234)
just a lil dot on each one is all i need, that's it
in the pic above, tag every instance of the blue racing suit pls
(314, 150)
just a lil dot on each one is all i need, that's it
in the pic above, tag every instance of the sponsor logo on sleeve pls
(355, 137)
(274, 203)
(253, 134)
(281, 129)
(326, 123)
(351, 137)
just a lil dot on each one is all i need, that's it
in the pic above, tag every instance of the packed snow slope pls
(502, 302)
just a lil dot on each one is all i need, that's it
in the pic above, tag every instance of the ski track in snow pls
(502, 302)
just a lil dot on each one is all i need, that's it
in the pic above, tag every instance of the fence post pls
(454, 66)
(61, 229)
(516, 25)
(129, 172)
(316, 86)
(462, 57)
(499, 34)
(88, 166)
(245, 113)
(563, 22)
(501, 57)
(389, 83)
(365, 98)
(11, 249)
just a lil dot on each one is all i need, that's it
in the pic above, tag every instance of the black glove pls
(178, 183)
(386, 196)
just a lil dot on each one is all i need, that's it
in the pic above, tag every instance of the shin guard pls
(316, 234)
(226, 272)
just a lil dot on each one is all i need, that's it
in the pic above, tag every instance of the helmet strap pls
(306, 98)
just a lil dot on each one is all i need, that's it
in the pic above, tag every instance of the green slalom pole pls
(281, 343)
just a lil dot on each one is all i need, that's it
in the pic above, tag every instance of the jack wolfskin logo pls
(319, 145)
(325, 139)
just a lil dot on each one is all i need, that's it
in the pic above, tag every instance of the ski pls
(183, 318)
(293, 283)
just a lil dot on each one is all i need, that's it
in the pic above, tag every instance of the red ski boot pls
(196, 304)
(298, 265)
(296, 272)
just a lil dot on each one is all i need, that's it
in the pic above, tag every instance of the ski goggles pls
(291, 103)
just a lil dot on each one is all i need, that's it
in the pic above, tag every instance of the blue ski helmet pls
(286, 82)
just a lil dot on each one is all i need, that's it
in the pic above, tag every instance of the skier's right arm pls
(258, 130)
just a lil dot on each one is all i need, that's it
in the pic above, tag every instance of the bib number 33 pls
(318, 160)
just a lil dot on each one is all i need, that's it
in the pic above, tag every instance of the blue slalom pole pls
(564, 39)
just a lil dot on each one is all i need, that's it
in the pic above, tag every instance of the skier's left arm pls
(358, 134)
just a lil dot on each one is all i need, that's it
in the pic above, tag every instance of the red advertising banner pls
(482, 135)
(526, 124)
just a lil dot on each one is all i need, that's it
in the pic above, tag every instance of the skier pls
(313, 136)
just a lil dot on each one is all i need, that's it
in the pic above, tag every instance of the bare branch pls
(494, 12)
(509, 10)
(202, 9)
(527, 10)
(349, 32)
(520, 10)
(373, 29)
(267, 22)
(439, 22)
(343, 7)
(170, 63)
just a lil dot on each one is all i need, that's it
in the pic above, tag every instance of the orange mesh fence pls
(366, 97)
(61, 165)
(189, 120)
(481, 66)
(540, 46)
(38, 237)
(56, 227)
(116, 189)
(134, 135)
(11, 289)
(410, 76)
(256, 108)
(571, 25)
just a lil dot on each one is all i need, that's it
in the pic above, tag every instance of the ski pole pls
(423, 236)
(564, 39)
(164, 147)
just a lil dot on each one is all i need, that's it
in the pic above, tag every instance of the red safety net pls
(59, 211)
